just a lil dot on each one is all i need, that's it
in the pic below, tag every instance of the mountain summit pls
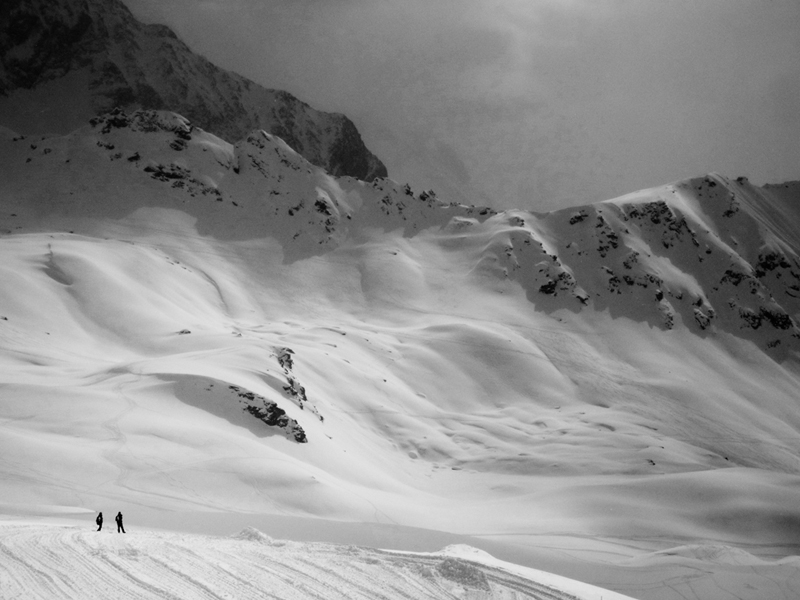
(63, 61)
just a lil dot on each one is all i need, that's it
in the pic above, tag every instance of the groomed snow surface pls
(70, 562)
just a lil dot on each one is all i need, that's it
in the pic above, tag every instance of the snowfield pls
(69, 562)
(192, 327)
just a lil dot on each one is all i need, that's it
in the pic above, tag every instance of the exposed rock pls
(637, 256)
(132, 65)
(270, 413)
(293, 389)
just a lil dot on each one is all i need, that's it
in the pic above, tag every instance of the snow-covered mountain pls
(63, 61)
(709, 253)
(197, 326)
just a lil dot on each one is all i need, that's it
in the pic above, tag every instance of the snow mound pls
(465, 551)
(251, 534)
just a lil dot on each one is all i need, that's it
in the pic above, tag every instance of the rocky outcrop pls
(117, 61)
(293, 389)
(707, 251)
(270, 413)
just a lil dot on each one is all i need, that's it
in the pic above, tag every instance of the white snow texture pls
(187, 326)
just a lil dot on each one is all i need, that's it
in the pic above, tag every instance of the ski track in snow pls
(67, 562)
(118, 436)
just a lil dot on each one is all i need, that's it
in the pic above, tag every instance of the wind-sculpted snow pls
(66, 562)
(188, 324)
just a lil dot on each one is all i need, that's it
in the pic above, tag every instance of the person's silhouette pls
(118, 519)
(99, 521)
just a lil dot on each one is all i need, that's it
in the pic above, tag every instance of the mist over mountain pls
(63, 62)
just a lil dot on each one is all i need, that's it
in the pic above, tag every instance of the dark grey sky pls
(528, 103)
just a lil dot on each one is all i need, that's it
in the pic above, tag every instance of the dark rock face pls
(270, 413)
(293, 389)
(133, 65)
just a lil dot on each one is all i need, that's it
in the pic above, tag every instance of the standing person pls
(99, 521)
(118, 519)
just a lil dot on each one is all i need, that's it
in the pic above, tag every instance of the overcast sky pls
(528, 103)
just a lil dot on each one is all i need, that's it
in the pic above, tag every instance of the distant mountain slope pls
(188, 324)
(62, 61)
(707, 253)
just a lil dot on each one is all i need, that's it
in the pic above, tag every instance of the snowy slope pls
(192, 325)
(66, 562)
(707, 252)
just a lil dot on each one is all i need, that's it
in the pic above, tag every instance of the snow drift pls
(188, 324)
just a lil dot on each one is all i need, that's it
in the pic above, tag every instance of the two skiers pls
(118, 519)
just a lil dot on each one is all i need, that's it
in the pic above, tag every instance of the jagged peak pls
(107, 58)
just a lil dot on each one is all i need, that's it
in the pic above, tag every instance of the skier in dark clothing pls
(99, 521)
(118, 519)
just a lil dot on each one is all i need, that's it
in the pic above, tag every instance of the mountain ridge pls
(104, 57)
(707, 251)
(188, 324)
